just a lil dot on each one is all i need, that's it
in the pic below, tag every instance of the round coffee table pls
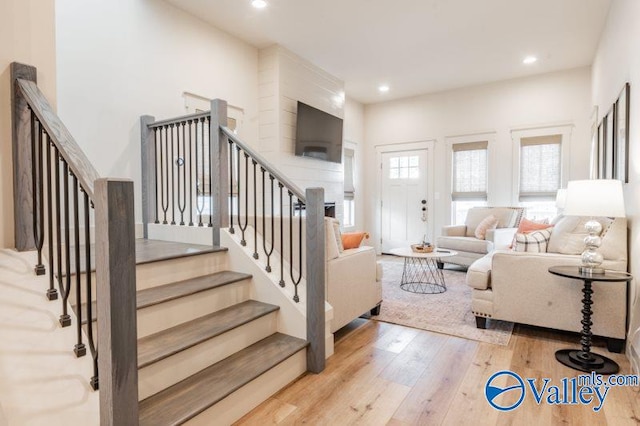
(421, 273)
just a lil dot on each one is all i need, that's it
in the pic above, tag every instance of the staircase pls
(209, 348)
(207, 352)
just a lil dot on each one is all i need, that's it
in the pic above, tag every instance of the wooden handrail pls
(182, 119)
(295, 190)
(60, 136)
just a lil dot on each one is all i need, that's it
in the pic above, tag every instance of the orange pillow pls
(527, 226)
(351, 240)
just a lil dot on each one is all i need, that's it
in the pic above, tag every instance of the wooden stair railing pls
(195, 161)
(58, 198)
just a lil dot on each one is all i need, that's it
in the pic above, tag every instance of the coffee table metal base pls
(587, 361)
(421, 275)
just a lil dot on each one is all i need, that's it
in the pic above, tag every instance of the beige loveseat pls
(517, 287)
(353, 280)
(352, 277)
(461, 238)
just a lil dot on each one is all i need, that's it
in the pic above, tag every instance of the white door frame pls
(429, 145)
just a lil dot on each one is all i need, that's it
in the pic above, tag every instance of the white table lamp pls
(593, 198)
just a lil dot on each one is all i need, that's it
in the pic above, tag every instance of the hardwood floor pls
(386, 374)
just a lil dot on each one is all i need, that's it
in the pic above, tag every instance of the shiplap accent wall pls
(284, 79)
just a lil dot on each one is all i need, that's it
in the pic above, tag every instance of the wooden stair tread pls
(155, 295)
(168, 342)
(195, 394)
(149, 251)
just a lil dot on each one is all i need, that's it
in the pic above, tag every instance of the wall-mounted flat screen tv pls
(318, 134)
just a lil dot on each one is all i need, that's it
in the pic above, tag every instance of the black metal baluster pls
(295, 280)
(182, 199)
(65, 318)
(208, 160)
(200, 184)
(90, 339)
(269, 251)
(172, 188)
(79, 349)
(255, 211)
(231, 175)
(52, 293)
(280, 185)
(243, 227)
(36, 191)
(155, 166)
(163, 200)
(56, 159)
(190, 176)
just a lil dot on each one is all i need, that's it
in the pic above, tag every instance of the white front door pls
(404, 199)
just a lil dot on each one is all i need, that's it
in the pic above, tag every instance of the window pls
(349, 189)
(404, 167)
(469, 176)
(540, 175)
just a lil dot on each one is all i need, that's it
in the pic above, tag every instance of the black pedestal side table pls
(584, 359)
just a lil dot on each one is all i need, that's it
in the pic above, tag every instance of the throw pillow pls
(527, 225)
(489, 222)
(533, 242)
(338, 234)
(351, 240)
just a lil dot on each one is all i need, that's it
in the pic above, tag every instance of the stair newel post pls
(116, 298)
(219, 144)
(315, 260)
(149, 178)
(23, 165)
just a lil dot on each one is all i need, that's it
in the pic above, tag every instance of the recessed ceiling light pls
(259, 4)
(383, 88)
(529, 60)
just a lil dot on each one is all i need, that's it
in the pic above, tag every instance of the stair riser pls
(164, 272)
(171, 370)
(169, 314)
(245, 399)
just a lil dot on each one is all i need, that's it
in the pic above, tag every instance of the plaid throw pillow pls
(533, 242)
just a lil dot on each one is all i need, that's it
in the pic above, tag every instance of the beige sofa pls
(461, 238)
(517, 287)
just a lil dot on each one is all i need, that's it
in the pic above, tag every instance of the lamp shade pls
(598, 197)
(561, 198)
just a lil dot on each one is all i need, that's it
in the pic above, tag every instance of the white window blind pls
(540, 166)
(349, 187)
(469, 171)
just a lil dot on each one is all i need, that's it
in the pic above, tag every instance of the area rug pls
(448, 312)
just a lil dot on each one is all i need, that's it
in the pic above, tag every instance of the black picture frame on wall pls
(621, 135)
(608, 144)
(600, 150)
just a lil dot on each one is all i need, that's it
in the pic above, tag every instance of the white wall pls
(617, 62)
(118, 60)
(284, 79)
(27, 35)
(499, 108)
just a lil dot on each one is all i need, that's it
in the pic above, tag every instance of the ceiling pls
(417, 46)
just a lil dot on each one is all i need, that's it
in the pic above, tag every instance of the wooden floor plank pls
(409, 365)
(431, 396)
